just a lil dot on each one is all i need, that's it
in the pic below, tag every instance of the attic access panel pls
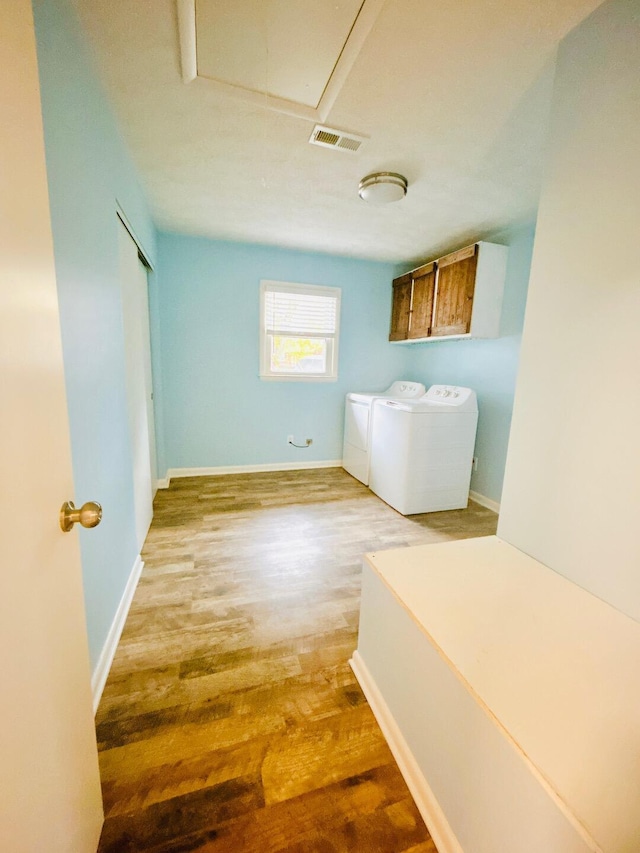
(289, 55)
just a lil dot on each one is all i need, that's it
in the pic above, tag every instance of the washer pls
(357, 424)
(422, 450)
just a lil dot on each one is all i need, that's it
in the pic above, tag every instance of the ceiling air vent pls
(329, 137)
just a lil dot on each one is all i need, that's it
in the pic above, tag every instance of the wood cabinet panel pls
(400, 309)
(454, 257)
(424, 280)
(454, 296)
(458, 295)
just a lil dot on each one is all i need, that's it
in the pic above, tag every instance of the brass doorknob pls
(89, 515)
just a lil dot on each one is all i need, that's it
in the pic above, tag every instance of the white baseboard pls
(100, 673)
(486, 502)
(163, 483)
(423, 796)
(245, 469)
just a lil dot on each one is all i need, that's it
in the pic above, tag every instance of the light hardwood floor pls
(231, 720)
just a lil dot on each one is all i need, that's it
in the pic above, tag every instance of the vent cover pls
(329, 137)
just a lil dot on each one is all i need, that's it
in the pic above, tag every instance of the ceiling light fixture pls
(382, 187)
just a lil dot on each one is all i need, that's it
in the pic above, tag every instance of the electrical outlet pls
(475, 463)
(289, 439)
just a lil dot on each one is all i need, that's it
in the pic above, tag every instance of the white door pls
(49, 782)
(135, 310)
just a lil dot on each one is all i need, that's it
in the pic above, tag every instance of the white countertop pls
(557, 668)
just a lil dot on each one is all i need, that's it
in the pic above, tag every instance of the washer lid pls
(439, 399)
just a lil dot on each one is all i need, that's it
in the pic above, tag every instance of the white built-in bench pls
(509, 696)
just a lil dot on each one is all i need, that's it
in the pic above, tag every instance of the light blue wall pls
(216, 409)
(88, 169)
(217, 412)
(489, 367)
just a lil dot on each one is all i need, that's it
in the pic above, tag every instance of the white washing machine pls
(357, 424)
(422, 450)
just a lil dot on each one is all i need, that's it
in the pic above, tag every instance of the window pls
(299, 326)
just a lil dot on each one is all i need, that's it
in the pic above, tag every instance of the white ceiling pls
(454, 96)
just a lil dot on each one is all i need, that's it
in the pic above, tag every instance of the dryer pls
(357, 424)
(422, 450)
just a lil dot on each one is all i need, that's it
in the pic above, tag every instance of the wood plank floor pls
(231, 720)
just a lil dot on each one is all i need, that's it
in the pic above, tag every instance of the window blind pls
(303, 314)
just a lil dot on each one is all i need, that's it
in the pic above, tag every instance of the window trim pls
(332, 340)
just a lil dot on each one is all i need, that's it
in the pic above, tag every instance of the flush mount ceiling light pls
(382, 187)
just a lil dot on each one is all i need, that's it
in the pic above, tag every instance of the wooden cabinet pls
(456, 285)
(412, 305)
(458, 295)
(424, 282)
(401, 308)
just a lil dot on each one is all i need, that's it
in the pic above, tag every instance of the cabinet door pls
(400, 308)
(424, 280)
(454, 293)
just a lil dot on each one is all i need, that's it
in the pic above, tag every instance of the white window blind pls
(299, 331)
(291, 313)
